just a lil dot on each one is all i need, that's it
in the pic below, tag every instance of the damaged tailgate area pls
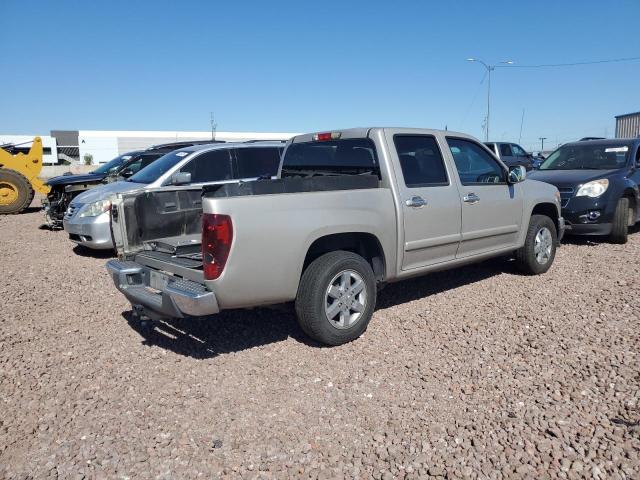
(161, 229)
(158, 236)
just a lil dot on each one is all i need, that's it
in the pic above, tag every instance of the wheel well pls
(364, 244)
(549, 210)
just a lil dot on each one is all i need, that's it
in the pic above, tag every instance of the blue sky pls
(305, 66)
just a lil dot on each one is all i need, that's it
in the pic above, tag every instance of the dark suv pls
(66, 187)
(598, 183)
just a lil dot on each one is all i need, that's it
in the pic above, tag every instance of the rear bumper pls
(160, 294)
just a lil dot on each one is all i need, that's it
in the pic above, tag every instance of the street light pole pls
(542, 139)
(489, 68)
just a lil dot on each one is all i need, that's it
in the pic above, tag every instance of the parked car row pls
(327, 219)
(66, 187)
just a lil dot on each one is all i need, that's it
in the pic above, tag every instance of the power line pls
(593, 62)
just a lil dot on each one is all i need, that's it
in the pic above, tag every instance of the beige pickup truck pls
(350, 210)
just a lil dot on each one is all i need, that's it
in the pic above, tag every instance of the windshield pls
(598, 156)
(113, 164)
(154, 171)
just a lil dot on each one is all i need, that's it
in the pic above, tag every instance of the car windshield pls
(112, 164)
(598, 156)
(154, 171)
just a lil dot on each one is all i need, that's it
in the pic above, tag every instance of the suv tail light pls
(217, 235)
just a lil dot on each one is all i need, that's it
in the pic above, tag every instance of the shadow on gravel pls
(237, 330)
(433, 283)
(591, 240)
(30, 210)
(87, 252)
(229, 331)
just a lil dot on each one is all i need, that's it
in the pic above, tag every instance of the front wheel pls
(336, 298)
(619, 229)
(539, 249)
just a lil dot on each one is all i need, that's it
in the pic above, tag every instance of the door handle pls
(416, 202)
(471, 198)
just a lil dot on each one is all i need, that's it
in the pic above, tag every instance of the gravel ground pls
(474, 373)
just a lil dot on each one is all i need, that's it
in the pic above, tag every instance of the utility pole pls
(214, 126)
(489, 69)
(542, 139)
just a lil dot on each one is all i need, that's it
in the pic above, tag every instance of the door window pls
(256, 162)
(475, 165)
(420, 160)
(518, 151)
(505, 150)
(213, 166)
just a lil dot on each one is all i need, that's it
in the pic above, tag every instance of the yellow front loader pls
(19, 178)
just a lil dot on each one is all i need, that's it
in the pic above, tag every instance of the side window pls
(420, 160)
(475, 166)
(135, 165)
(505, 150)
(518, 151)
(148, 159)
(213, 166)
(256, 162)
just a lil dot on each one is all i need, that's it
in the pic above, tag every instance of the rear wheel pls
(620, 230)
(539, 250)
(336, 298)
(16, 192)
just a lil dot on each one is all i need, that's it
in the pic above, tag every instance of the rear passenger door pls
(491, 209)
(430, 205)
(254, 162)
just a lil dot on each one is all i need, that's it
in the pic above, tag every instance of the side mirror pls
(126, 173)
(517, 174)
(181, 178)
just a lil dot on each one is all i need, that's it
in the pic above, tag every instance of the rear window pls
(254, 162)
(348, 157)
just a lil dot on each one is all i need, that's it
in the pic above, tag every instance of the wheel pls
(619, 229)
(539, 249)
(336, 298)
(16, 192)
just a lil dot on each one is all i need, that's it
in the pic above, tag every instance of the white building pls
(104, 145)
(100, 146)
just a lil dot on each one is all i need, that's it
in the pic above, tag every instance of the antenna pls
(521, 122)
(214, 126)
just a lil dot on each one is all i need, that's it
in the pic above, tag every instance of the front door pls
(491, 208)
(431, 211)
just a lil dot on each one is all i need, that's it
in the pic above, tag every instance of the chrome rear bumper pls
(165, 295)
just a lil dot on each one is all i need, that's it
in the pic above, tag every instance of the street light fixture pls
(489, 69)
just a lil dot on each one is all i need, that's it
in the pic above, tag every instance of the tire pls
(539, 250)
(321, 295)
(620, 225)
(16, 193)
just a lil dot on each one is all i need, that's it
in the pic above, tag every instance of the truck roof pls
(218, 146)
(363, 132)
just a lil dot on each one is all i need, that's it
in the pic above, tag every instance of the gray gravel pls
(474, 373)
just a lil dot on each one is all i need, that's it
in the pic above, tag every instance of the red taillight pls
(217, 235)
(325, 136)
